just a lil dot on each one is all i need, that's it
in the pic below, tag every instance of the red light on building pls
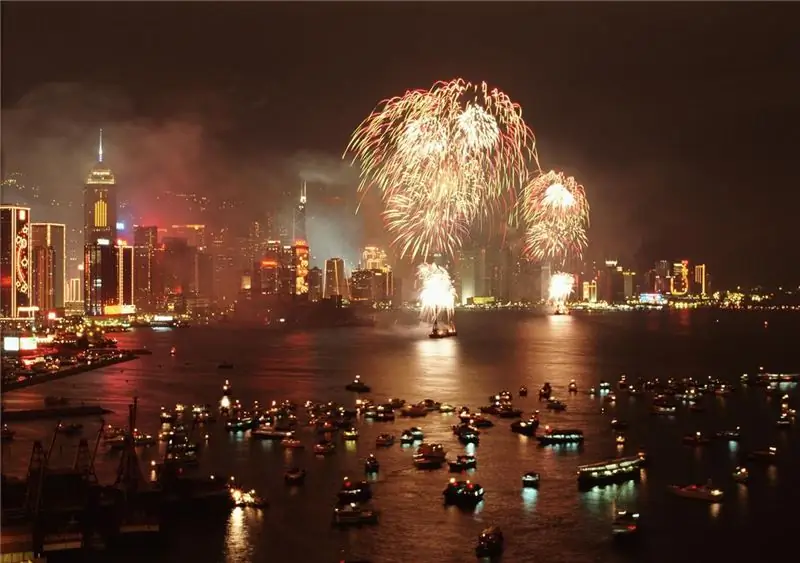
(269, 264)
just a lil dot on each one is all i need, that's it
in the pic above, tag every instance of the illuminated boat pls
(371, 464)
(784, 421)
(7, 433)
(741, 475)
(270, 432)
(767, 456)
(545, 392)
(609, 472)
(417, 433)
(525, 427)
(622, 384)
(429, 456)
(354, 515)
(242, 498)
(553, 437)
(490, 543)
(555, 405)
(698, 492)
(350, 434)
(604, 385)
(573, 387)
(463, 463)
(531, 480)
(241, 423)
(463, 493)
(664, 409)
(625, 524)
(354, 491)
(406, 438)
(386, 440)
(696, 439)
(523, 391)
(446, 408)
(295, 476)
(617, 424)
(358, 386)
(324, 447)
(292, 443)
(730, 435)
(166, 416)
(468, 435)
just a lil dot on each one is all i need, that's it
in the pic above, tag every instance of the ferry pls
(609, 472)
(352, 491)
(353, 515)
(429, 456)
(553, 437)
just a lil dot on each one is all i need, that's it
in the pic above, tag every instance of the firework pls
(561, 286)
(437, 296)
(442, 159)
(556, 215)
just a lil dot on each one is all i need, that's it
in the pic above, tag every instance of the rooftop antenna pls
(100, 149)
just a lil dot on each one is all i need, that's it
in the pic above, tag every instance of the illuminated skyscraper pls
(679, 283)
(299, 219)
(48, 272)
(335, 280)
(15, 279)
(700, 280)
(300, 261)
(314, 284)
(147, 283)
(100, 203)
(373, 258)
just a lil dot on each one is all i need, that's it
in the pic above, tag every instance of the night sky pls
(682, 120)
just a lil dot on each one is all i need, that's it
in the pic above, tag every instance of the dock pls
(67, 372)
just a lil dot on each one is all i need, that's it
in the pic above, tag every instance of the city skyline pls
(650, 198)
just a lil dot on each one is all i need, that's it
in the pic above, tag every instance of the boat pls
(294, 476)
(413, 411)
(764, 456)
(698, 492)
(620, 439)
(462, 493)
(617, 424)
(467, 435)
(386, 440)
(358, 386)
(490, 543)
(625, 524)
(622, 384)
(730, 435)
(226, 388)
(354, 491)
(696, 439)
(172, 351)
(741, 475)
(573, 387)
(292, 443)
(784, 421)
(525, 427)
(545, 391)
(442, 332)
(371, 464)
(523, 391)
(324, 447)
(249, 499)
(406, 438)
(555, 405)
(462, 463)
(618, 470)
(664, 409)
(552, 437)
(354, 515)
(417, 433)
(429, 456)
(429, 405)
(244, 422)
(7, 434)
(446, 408)
(530, 480)
(604, 385)
(480, 421)
(350, 434)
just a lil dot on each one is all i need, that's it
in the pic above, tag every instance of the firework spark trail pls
(561, 287)
(555, 212)
(443, 159)
(437, 296)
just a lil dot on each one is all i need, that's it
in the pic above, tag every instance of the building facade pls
(15, 260)
(49, 265)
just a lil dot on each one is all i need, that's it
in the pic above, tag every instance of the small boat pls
(406, 438)
(385, 440)
(480, 421)
(462, 463)
(413, 411)
(696, 439)
(226, 388)
(354, 515)
(555, 405)
(242, 498)
(620, 439)
(551, 436)
(523, 391)
(172, 351)
(625, 524)
(350, 434)
(70, 429)
(764, 456)
(784, 421)
(617, 424)
(463, 493)
(604, 385)
(324, 447)
(358, 386)
(354, 491)
(730, 435)
(446, 408)
(417, 433)
(167, 417)
(698, 492)
(664, 409)
(467, 434)
(525, 427)
(225, 365)
(295, 476)
(573, 387)
(371, 464)
(530, 480)
(429, 456)
(7, 434)
(292, 443)
(741, 475)
(490, 543)
(545, 392)
(622, 384)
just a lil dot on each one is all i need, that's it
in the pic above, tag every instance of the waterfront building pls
(48, 265)
(15, 267)
(335, 280)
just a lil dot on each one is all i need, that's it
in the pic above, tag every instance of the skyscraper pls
(146, 286)
(314, 284)
(299, 218)
(373, 258)
(15, 280)
(700, 280)
(335, 280)
(679, 283)
(49, 261)
(300, 261)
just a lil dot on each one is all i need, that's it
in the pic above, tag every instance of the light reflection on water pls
(529, 498)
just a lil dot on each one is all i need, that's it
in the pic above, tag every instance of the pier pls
(126, 356)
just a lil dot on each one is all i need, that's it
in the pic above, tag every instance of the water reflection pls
(772, 475)
(529, 498)
(237, 545)
(714, 510)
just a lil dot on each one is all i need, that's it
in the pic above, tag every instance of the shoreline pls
(68, 372)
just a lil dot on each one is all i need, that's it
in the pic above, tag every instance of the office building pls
(73, 291)
(300, 260)
(700, 280)
(100, 203)
(590, 291)
(195, 235)
(49, 265)
(100, 277)
(629, 284)
(315, 277)
(679, 282)
(15, 272)
(287, 270)
(126, 286)
(335, 284)
(146, 277)
(663, 277)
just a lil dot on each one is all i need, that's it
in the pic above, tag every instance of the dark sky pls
(682, 120)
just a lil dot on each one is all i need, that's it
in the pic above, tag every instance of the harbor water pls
(493, 351)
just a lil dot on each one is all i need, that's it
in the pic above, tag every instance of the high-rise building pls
(287, 270)
(335, 279)
(299, 216)
(300, 261)
(15, 278)
(679, 282)
(314, 284)
(126, 272)
(700, 280)
(268, 276)
(629, 284)
(49, 255)
(195, 235)
(100, 203)
(147, 286)
(663, 278)
(361, 285)
(100, 277)
(465, 276)
(590, 291)
(74, 291)
(373, 258)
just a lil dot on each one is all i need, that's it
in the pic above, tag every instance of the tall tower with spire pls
(299, 219)
(100, 268)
